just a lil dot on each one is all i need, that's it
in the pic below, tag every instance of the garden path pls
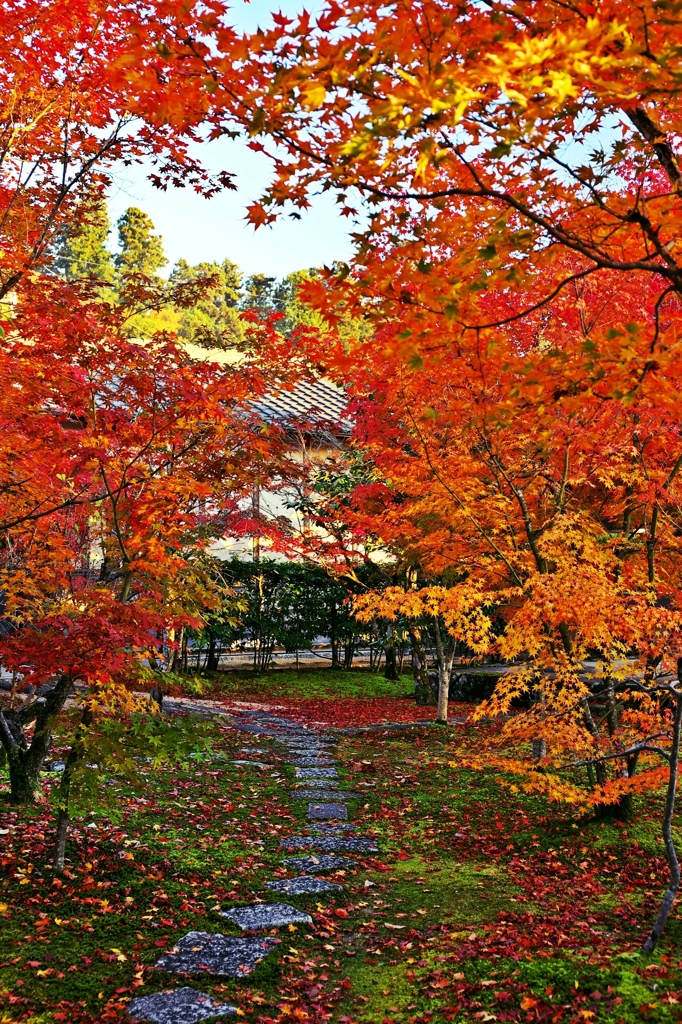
(196, 953)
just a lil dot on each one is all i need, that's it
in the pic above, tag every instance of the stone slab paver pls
(324, 794)
(255, 730)
(319, 784)
(310, 750)
(312, 762)
(178, 1006)
(314, 865)
(332, 844)
(257, 764)
(223, 955)
(337, 828)
(314, 743)
(310, 737)
(303, 885)
(327, 810)
(266, 915)
(316, 755)
(316, 773)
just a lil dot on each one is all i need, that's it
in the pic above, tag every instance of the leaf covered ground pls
(482, 904)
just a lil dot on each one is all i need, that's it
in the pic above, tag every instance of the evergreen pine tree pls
(213, 322)
(259, 293)
(81, 250)
(141, 249)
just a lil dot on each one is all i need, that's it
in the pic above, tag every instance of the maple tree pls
(517, 171)
(87, 86)
(71, 112)
(488, 141)
(557, 527)
(121, 463)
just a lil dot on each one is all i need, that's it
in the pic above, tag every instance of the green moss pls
(323, 683)
(379, 989)
(460, 895)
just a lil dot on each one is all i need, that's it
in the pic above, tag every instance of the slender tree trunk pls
(667, 830)
(420, 669)
(211, 658)
(60, 842)
(333, 637)
(75, 755)
(176, 664)
(156, 694)
(349, 653)
(391, 666)
(445, 661)
(540, 743)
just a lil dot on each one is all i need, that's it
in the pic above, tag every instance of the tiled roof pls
(317, 403)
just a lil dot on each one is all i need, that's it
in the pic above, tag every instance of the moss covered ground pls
(482, 905)
(326, 683)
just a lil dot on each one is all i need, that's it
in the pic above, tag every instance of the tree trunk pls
(176, 663)
(25, 785)
(667, 830)
(26, 762)
(348, 653)
(422, 688)
(75, 755)
(539, 742)
(60, 842)
(211, 662)
(333, 637)
(445, 661)
(391, 666)
(156, 694)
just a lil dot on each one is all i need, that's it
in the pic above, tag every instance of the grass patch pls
(325, 683)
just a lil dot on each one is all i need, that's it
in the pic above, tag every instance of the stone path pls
(197, 953)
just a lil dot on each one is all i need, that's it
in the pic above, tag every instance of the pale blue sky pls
(212, 229)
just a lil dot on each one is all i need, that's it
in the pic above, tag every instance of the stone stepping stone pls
(309, 739)
(324, 794)
(317, 773)
(255, 730)
(266, 915)
(314, 865)
(327, 810)
(314, 757)
(311, 748)
(177, 1006)
(338, 828)
(302, 885)
(314, 743)
(311, 752)
(257, 764)
(308, 755)
(332, 844)
(223, 955)
(319, 784)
